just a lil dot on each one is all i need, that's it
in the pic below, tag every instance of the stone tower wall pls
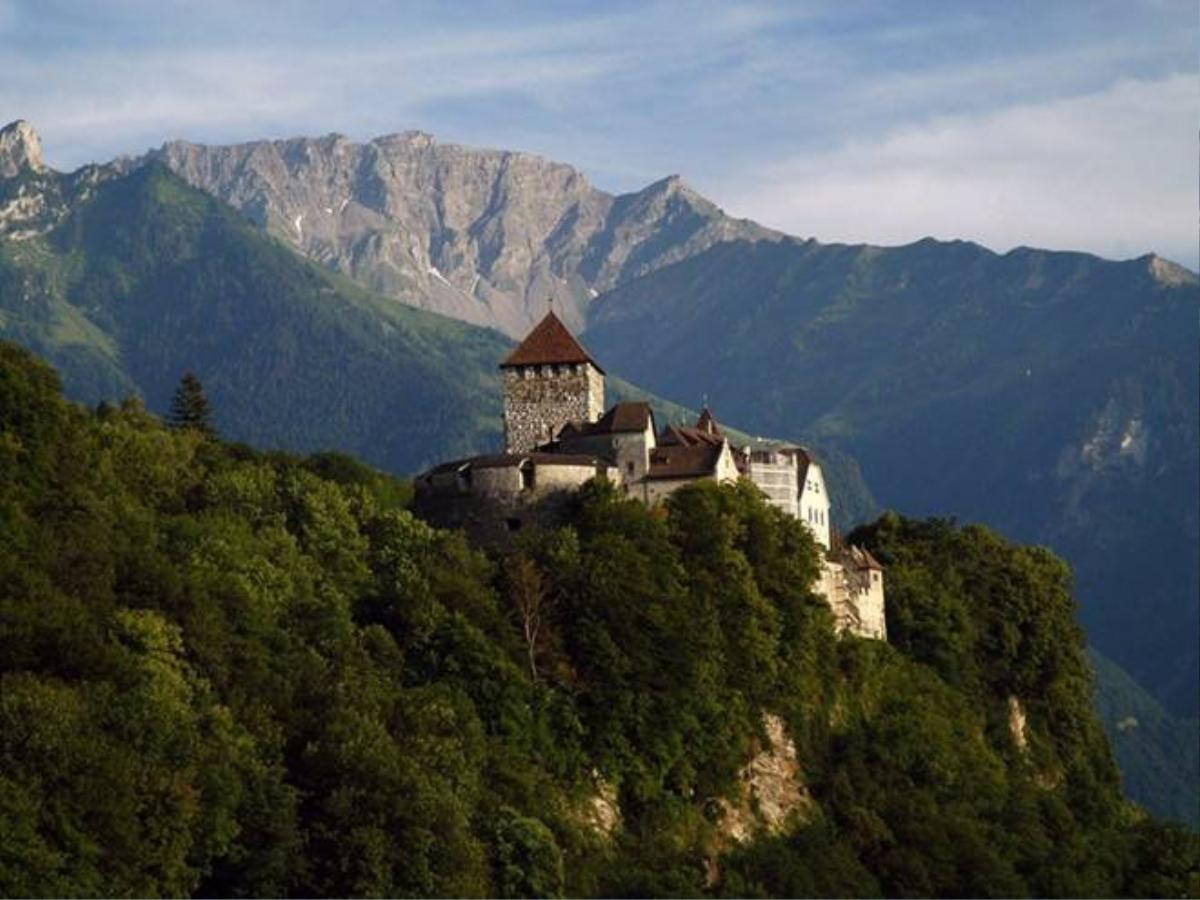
(539, 400)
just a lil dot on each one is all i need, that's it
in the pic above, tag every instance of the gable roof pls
(678, 461)
(549, 342)
(633, 416)
(858, 557)
(687, 436)
(706, 431)
(707, 422)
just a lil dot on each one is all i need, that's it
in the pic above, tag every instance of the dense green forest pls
(232, 672)
(1053, 395)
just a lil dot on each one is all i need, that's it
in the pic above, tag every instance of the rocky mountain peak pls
(486, 236)
(1168, 273)
(411, 137)
(20, 148)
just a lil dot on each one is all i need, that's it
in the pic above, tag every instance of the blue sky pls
(1064, 125)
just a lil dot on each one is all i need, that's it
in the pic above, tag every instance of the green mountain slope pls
(230, 673)
(140, 278)
(149, 278)
(1159, 754)
(1055, 396)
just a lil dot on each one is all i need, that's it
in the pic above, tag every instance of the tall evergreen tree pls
(190, 407)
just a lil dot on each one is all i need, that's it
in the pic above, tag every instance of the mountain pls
(1051, 394)
(125, 278)
(485, 236)
(1055, 396)
(240, 674)
(125, 282)
(1158, 753)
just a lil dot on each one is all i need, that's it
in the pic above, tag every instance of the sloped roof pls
(624, 417)
(679, 461)
(689, 436)
(514, 460)
(707, 422)
(706, 431)
(549, 342)
(855, 556)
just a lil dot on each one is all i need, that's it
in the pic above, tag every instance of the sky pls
(1052, 124)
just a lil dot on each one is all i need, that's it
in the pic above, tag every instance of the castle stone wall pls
(855, 596)
(539, 400)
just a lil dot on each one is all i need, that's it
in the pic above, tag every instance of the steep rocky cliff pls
(485, 236)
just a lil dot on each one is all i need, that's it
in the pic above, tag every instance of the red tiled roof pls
(706, 431)
(707, 422)
(549, 342)
(678, 461)
(687, 436)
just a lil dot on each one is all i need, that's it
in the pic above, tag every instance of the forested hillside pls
(138, 278)
(1053, 395)
(237, 673)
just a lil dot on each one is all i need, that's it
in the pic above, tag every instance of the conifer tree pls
(190, 407)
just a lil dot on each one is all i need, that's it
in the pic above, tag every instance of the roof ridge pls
(549, 342)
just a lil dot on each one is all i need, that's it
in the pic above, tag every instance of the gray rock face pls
(485, 236)
(33, 197)
(20, 148)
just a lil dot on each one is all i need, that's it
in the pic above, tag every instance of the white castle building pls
(556, 438)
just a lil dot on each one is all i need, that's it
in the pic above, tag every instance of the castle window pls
(527, 476)
(629, 467)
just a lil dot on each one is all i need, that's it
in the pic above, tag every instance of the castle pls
(557, 437)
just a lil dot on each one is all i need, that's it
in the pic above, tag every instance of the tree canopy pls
(190, 407)
(227, 671)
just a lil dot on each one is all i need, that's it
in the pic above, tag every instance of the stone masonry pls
(540, 399)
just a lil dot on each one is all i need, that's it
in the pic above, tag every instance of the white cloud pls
(1112, 172)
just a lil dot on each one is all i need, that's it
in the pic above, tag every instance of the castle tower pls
(549, 380)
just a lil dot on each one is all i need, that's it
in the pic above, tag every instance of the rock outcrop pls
(772, 789)
(485, 236)
(20, 148)
(33, 197)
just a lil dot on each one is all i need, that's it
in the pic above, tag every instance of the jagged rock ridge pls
(20, 148)
(485, 236)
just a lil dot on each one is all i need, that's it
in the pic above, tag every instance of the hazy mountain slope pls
(1052, 395)
(149, 278)
(1159, 754)
(485, 236)
(125, 282)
